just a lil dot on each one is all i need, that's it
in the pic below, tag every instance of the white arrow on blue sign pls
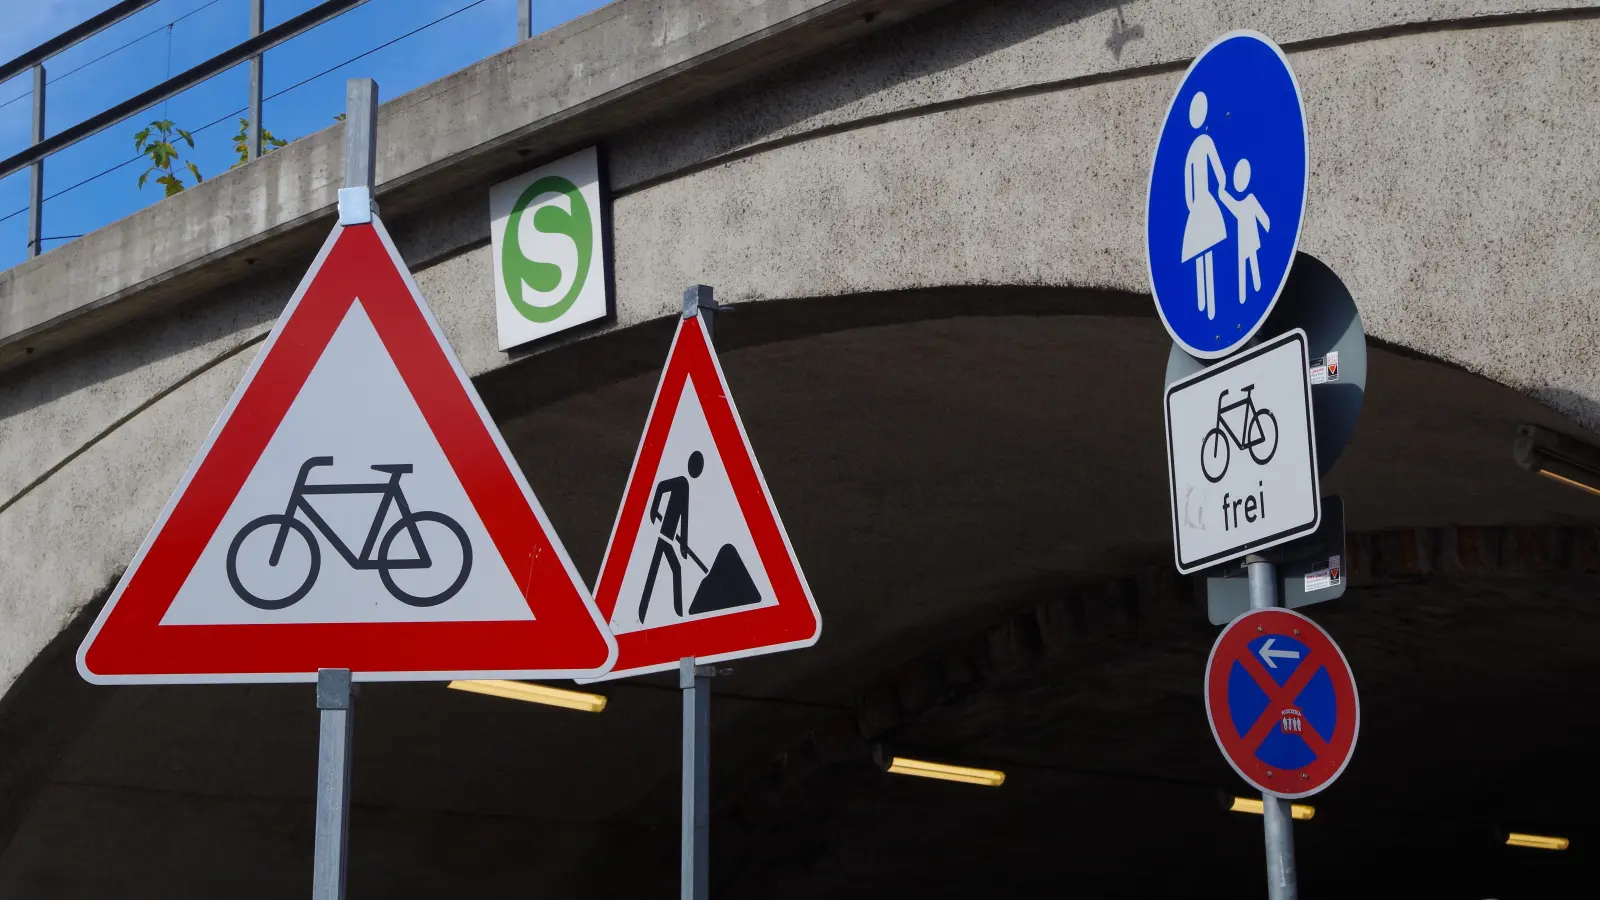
(1227, 194)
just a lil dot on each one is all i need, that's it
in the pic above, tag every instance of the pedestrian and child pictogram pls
(1227, 194)
(698, 564)
(354, 507)
(1282, 702)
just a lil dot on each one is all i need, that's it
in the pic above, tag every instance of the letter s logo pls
(573, 223)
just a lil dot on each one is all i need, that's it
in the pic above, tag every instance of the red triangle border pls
(567, 638)
(795, 621)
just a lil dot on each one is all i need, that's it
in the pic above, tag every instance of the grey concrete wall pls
(624, 62)
(1450, 186)
(984, 143)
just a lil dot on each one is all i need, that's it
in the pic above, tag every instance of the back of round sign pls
(1316, 301)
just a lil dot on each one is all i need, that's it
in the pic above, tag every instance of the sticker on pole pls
(1227, 194)
(699, 564)
(1282, 702)
(354, 507)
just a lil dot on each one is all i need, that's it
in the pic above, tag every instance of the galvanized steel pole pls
(698, 300)
(36, 171)
(333, 784)
(524, 19)
(695, 863)
(334, 694)
(356, 204)
(360, 133)
(1282, 883)
(695, 681)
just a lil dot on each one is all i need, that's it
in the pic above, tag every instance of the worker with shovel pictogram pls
(725, 584)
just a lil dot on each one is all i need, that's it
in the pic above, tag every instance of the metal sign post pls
(333, 685)
(1282, 883)
(333, 783)
(1247, 440)
(1283, 707)
(696, 684)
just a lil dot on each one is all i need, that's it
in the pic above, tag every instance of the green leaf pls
(186, 136)
(196, 170)
(142, 176)
(140, 138)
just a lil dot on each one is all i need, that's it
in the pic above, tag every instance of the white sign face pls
(1241, 458)
(354, 412)
(670, 563)
(546, 229)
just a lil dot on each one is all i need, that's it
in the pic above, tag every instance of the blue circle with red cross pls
(1282, 702)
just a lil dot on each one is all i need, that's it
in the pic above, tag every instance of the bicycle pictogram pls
(1258, 430)
(375, 554)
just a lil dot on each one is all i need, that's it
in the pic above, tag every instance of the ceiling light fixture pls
(1537, 841)
(534, 693)
(1254, 806)
(1557, 457)
(901, 765)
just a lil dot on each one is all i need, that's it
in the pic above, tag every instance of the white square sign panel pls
(546, 229)
(1241, 458)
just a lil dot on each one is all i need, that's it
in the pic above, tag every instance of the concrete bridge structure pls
(929, 214)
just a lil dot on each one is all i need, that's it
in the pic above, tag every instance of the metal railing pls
(252, 50)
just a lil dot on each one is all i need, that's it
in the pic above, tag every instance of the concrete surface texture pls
(626, 59)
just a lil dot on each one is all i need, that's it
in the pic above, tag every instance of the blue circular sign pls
(1227, 194)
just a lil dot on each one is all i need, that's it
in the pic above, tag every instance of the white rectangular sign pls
(546, 230)
(1241, 458)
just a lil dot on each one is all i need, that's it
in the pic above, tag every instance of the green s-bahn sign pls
(549, 257)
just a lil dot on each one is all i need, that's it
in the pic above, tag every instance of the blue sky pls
(200, 29)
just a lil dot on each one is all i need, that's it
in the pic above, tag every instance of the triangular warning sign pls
(354, 507)
(699, 564)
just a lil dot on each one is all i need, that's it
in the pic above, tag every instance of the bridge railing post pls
(252, 129)
(36, 171)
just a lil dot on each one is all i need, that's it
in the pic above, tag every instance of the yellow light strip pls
(534, 693)
(923, 769)
(1569, 482)
(1254, 806)
(1537, 841)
